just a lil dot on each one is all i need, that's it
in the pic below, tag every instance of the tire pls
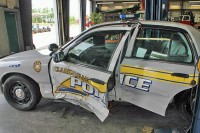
(21, 93)
(184, 105)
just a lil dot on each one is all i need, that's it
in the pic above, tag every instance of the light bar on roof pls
(128, 16)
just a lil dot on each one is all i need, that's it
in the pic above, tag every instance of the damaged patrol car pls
(147, 63)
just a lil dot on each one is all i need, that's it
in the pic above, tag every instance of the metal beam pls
(159, 9)
(63, 20)
(152, 9)
(156, 9)
(93, 6)
(147, 10)
(83, 14)
(117, 0)
(26, 22)
(165, 9)
(182, 10)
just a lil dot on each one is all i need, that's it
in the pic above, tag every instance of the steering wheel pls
(72, 55)
(84, 57)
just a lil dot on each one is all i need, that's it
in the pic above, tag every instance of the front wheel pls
(21, 93)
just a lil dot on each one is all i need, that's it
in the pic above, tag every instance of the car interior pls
(96, 49)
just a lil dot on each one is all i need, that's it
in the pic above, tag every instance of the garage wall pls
(9, 3)
(175, 8)
(4, 44)
(9, 15)
(115, 6)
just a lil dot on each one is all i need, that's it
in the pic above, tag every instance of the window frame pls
(174, 29)
(80, 40)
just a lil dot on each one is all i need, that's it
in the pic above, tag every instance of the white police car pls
(146, 63)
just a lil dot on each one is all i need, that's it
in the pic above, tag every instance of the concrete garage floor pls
(50, 117)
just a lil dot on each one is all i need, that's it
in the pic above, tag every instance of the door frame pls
(18, 25)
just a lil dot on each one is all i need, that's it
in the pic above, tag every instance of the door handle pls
(181, 75)
(97, 81)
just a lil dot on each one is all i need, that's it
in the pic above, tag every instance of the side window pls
(96, 49)
(159, 44)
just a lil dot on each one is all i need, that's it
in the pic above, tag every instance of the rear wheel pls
(185, 103)
(21, 93)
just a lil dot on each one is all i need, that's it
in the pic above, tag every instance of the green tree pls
(72, 20)
(51, 15)
(48, 18)
(96, 17)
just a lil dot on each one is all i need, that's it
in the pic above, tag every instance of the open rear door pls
(158, 65)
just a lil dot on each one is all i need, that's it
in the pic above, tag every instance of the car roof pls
(194, 33)
(115, 23)
(165, 23)
(143, 22)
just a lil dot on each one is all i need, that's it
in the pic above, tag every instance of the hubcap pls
(20, 93)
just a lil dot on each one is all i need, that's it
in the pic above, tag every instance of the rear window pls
(165, 45)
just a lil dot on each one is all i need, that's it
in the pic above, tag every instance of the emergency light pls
(128, 16)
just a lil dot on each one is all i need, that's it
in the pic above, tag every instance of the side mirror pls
(53, 47)
(71, 38)
(59, 56)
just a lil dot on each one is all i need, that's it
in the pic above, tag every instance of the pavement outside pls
(56, 117)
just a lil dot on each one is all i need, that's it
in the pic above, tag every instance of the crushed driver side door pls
(83, 76)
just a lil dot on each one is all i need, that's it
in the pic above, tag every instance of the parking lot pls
(46, 38)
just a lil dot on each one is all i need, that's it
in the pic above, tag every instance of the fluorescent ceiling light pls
(118, 7)
(194, 1)
(104, 3)
(130, 2)
(195, 5)
(175, 7)
(104, 8)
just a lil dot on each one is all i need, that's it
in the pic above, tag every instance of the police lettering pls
(70, 72)
(135, 82)
(87, 88)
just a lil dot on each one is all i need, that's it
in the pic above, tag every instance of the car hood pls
(27, 55)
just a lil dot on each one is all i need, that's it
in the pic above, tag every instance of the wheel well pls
(5, 77)
(178, 96)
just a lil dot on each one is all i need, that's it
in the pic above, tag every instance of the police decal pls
(80, 88)
(87, 88)
(15, 65)
(37, 66)
(135, 82)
